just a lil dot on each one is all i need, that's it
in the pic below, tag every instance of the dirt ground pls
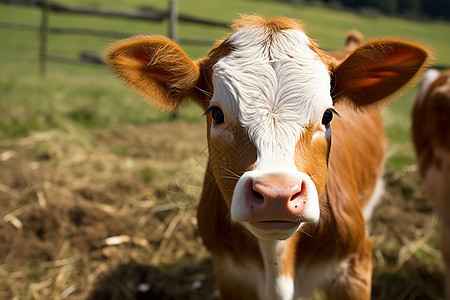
(110, 214)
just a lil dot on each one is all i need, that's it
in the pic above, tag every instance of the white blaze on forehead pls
(276, 85)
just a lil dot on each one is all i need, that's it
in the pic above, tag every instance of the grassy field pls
(81, 141)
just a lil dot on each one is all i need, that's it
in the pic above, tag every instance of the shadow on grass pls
(138, 281)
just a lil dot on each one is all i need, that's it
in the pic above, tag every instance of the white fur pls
(374, 200)
(429, 77)
(276, 91)
(277, 286)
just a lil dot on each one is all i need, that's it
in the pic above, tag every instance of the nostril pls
(295, 196)
(299, 192)
(258, 195)
(258, 198)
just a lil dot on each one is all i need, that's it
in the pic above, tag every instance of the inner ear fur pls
(378, 70)
(156, 67)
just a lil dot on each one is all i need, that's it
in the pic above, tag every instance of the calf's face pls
(268, 143)
(269, 109)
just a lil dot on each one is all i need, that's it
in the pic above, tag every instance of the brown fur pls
(353, 40)
(156, 67)
(379, 69)
(431, 136)
(371, 73)
(273, 25)
(309, 158)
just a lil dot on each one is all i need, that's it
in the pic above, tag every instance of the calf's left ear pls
(377, 70)
(156, 67)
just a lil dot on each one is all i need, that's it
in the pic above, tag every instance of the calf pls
(431, 136)
(284, 204)
(353, 40)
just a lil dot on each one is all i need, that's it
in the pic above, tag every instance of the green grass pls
(91, 97)
(397, 122)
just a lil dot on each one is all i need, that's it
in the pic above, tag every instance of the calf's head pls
(269, 95)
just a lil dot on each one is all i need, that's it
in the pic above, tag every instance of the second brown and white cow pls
(431, 136)
(284, 204)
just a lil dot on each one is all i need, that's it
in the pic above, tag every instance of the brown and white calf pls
(431, 136)
(283, 207)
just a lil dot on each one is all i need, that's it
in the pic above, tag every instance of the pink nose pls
(277, 198)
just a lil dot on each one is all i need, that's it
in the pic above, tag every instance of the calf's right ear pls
(156, 67)
(379, 69)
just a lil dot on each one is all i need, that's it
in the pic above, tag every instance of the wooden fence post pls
(173, 33)
(44, 38)
(173, 20)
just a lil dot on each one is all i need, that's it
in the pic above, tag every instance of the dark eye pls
(217, 115)
(327, 116)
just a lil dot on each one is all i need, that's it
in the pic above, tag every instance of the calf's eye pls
(327, 116)
(217, 115)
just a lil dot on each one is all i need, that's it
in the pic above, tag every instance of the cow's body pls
(431, 136)
(282, 210)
